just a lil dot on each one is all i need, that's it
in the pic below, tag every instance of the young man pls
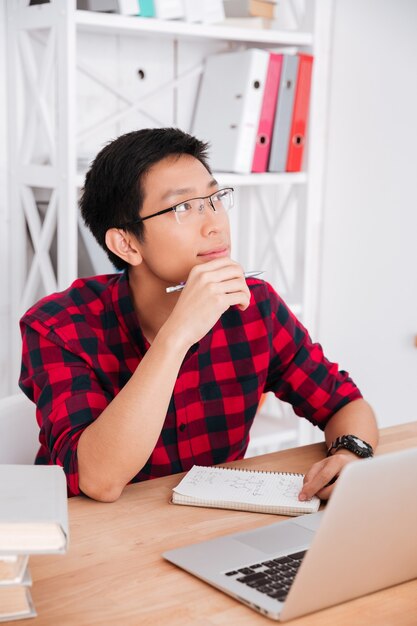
(132, 382)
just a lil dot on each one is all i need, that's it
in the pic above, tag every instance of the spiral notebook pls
(245, 490)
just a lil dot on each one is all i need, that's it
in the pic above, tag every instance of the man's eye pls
(184, 207)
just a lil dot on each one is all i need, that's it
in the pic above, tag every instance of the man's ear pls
(123, 245)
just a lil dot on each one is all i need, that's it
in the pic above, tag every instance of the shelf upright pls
(41, 98)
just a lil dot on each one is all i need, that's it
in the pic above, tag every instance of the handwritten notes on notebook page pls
(268, 492)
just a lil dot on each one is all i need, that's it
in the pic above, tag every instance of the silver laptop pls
(365, 540)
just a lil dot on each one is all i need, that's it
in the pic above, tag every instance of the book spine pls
(213, 11)
(263, 8)
(147, 8)
(168, 9)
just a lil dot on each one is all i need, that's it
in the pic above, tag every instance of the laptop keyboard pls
(273, 577)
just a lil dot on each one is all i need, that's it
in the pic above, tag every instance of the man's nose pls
(212, 221)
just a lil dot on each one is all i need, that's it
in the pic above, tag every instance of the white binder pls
(213, 11)
(193, 11)
(229, 105)
(206, 11)
(169, 9)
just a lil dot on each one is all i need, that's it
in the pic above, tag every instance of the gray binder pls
(99, 5)
(283, 115)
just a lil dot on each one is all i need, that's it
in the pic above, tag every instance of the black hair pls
(113, 188)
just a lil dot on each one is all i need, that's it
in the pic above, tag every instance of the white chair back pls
(19, 431)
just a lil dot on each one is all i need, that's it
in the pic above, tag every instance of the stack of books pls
(15, 580)
(33, 520)
(264, 8)
(124, 7)
(207, 11)
(253, 110)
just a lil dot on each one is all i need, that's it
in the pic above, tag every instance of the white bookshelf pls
(223, 178)
(73, 85)
(121, 25)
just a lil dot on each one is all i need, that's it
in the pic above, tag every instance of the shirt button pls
(183, 427)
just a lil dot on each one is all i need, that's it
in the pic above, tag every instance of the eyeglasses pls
(220, 201)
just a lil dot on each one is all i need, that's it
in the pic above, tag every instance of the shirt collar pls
(123, 306)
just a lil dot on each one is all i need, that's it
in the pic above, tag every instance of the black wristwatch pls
(353, 444)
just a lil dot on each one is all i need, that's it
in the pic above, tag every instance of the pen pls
(182, 285)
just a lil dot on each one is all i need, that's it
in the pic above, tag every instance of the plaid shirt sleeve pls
(68, 397)
(299, 372)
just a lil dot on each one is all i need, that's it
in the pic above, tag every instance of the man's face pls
(170, 249)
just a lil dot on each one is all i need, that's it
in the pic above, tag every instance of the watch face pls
(356, 445)
(361, 444)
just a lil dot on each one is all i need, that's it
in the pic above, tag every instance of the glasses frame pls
(174, 208)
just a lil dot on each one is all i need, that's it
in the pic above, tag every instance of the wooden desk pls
(113, 573)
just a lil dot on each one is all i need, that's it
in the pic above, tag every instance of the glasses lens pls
(186, 210)
(223, 200)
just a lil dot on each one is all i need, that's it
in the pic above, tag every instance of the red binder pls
(267, 116)
(300, 113)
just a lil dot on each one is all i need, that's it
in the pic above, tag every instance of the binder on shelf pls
(283, 114)
(236, 8)
(147, 8)
(206, 11)
(300, 113)
(213, 11)
(162, 9)
(193, 11)
(108, 6)
(267, 116)
(124, 7)
(128, 7)
(229, 106)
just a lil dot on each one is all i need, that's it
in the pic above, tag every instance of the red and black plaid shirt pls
(81, 346)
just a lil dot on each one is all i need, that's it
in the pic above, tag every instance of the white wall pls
(4, 217)
(368, 304)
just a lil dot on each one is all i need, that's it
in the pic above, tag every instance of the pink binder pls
(266, 120)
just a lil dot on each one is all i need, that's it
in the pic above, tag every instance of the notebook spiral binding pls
(241, 469)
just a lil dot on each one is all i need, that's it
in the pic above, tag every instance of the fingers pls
(321, 477)
(218, 277)
(241, 299)
(324, 494)
(211, 288)
(217, 271)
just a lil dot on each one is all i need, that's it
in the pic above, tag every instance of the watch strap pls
(353, 444)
